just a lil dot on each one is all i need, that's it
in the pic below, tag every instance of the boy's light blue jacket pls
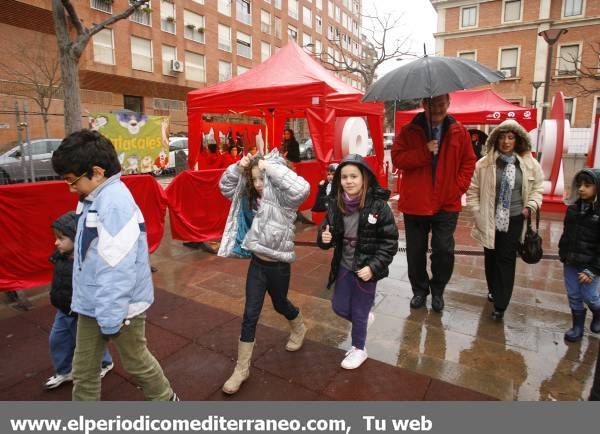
(111, 272)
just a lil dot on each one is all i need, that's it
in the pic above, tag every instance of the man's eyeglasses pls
(72, 183)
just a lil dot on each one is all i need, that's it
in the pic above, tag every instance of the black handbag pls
(530, 250)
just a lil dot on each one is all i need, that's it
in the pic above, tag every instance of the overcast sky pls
(418, 23)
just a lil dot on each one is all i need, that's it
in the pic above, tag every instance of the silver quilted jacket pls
(272, 230)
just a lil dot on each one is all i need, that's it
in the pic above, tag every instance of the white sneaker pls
(106, 369)
(57, 379)
(371, 319)
(350, 350)
(354, 359)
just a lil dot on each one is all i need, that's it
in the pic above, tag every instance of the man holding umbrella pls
(437, 161)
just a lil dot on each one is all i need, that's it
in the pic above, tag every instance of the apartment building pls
(150, 61)
(503, 35)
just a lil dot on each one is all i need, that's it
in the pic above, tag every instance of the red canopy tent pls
(289, 84)
(479, 106)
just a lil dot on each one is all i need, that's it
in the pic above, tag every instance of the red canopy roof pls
(288, 80)
(479, 106)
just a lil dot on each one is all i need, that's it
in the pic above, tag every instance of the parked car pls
(11, 169)
(388, 140)
(178, 154)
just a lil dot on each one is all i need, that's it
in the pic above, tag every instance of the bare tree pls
(376, 47)
(585, 76)
(33, 72)
(73, 37)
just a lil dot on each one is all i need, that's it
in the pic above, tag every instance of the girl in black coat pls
(579, 250)
(360, 226)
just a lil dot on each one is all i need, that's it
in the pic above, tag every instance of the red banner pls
(26, 215)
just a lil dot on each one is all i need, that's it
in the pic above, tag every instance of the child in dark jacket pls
(360, 226)
(324, 190)
(64, 329)
(579, 250)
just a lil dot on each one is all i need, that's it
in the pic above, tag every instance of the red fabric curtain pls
(26, 215)
(197, 209)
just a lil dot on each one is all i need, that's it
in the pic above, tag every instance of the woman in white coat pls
(505, 189)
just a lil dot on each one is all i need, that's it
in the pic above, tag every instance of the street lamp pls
(551, 36)
(536, 85)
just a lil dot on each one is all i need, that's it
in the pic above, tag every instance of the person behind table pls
(290, 148)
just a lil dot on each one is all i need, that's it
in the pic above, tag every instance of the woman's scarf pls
(351, 204)
(507, 183)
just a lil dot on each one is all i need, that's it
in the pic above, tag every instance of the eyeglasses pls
(72, 183)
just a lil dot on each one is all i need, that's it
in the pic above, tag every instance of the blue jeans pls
(265, 276)
(62, 343)
(352, 300)
(580, 293)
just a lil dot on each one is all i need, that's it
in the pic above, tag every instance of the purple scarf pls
(351, 204)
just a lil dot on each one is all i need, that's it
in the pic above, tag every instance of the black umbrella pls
(430, 76)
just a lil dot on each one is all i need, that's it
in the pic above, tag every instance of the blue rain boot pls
(576, 332)
(595, 325)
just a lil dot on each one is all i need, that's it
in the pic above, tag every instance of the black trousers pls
(442, 226)
(265, 276)
(500, 263)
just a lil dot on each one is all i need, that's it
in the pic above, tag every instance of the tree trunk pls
(45, 118)
(70, 78)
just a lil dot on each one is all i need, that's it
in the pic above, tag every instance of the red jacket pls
(455, 166)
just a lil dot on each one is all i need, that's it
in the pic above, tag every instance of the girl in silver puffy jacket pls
(265, 196)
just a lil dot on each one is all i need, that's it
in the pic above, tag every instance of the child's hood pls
(66, 224)
(377, 191)
(574, 196)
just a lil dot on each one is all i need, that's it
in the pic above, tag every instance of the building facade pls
(150, 61)
(503, 35)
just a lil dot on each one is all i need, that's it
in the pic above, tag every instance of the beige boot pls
(242, 368)
(298, 331)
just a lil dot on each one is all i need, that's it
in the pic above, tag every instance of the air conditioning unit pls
(176, 66)
(507, 72)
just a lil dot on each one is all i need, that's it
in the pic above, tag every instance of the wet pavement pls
(461, 353)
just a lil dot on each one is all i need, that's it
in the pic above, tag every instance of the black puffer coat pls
(61, 291)
(377, 242)
(579, 244)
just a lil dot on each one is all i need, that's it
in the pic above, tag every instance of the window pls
(133, 103)
(193, 26)
(277, 27)
(307, 42)
(104, 51)
(265, 51)
(167, 16)
(293, 9)
(241, 69)
(568, 59)
(200, 2)
(293, 33)
(572, 8)
(277, 4)
(468, 17)
(194, 67)
(306, 16)
(330, 34)
(101, 5)
(509, 61)
(318, 47)
(319, 4)
(141, 54)
(141, 14)
(319, 24)
(224, 38)
(224, 7)
(168, 55)
(569, 109)
(470, 55)
(244, 45)
(512, 10)
(224, 70)
(265, 21)
(338, 14)
(243, 12)
(330, 8)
